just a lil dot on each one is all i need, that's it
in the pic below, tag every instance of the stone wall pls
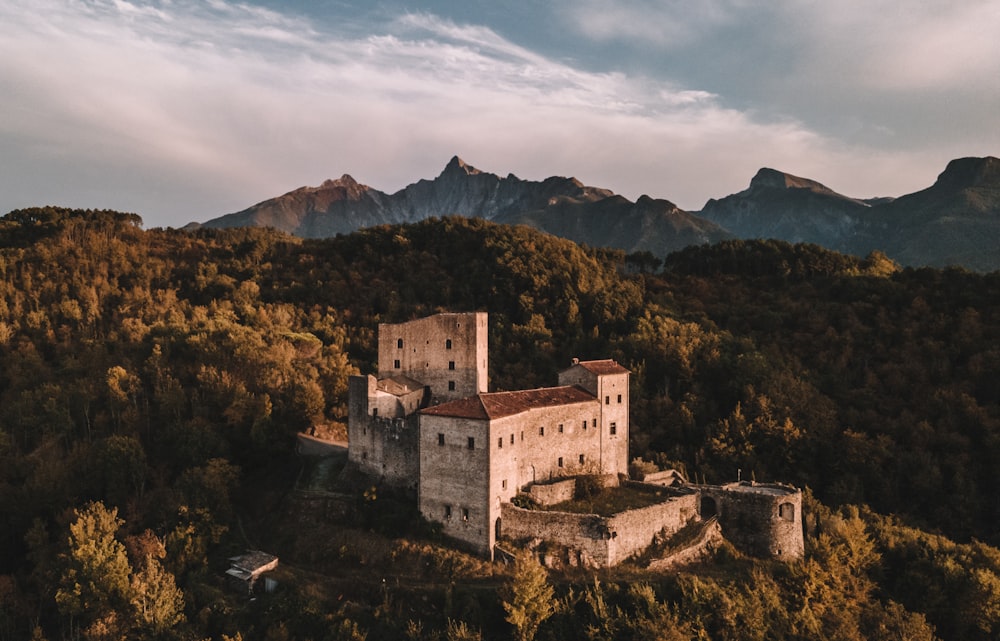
(632, 531)
(552, 493)
(586, 533)
(454, 480)
(601, 541)
(447, 352)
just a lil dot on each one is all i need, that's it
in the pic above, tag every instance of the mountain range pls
(956, 221)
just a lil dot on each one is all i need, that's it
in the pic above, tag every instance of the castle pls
(428, 422)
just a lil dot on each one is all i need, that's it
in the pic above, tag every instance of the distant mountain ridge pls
(560, 206)
(956, 221)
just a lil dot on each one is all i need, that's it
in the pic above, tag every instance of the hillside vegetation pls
(152, 383)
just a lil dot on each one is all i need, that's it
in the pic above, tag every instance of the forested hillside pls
(152, 383)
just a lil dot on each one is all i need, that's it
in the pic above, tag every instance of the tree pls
(95, 581)
(527, 597)
(157, 602)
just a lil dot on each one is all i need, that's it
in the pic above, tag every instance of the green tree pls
(95, 581)
(527, 596)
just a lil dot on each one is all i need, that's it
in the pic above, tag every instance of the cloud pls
(185, 110)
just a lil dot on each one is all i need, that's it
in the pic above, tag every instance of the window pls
(447, 344)
(559, 462)
(512, 439)
(582, 459)
(451, 365)
(522, 435)
(465, 514)
(619, 398)
(395, 363)
(594, 424)
(364, 456)
(786, 511)
(472, 442)
(451, 386)
(541, 431)
(500, 443)
(440, 438)
(607, 400)
(614, 428)
(374, 412)
(447, 511)
(399, 343)
(585, 426)
(503, 484)
(560, 428)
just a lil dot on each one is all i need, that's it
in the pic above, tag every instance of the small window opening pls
(447, 344)
(465, 514)
(560, 428)
(447, 511)
(614, 428)
(451, 365)
(472, 442)
(399, 343)
(559, 462)
(786, 511)
(451, 386)
(607, 400)
(511, 439)
(500, 443)
(619, 398)
(395, 363)
(582, 459)
(440, 438)
(541, 431)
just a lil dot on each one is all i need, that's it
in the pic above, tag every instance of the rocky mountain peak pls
(344, 181)
(970, 172)
(458, 166)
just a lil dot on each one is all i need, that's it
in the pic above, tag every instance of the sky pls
(185, 110)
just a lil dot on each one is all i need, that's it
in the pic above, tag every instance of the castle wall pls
(454, 485)
(632, 531)
(763, 520)
(612, 392)
(384, 445)
(602, 541)
(447, 352)
(586, 533)
(552, 493)
(549, 442)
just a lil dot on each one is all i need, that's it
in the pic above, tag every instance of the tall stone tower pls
(448, 353)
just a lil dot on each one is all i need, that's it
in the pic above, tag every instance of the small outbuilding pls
(246, 569)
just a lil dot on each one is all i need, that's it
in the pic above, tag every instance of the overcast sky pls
(184, 110)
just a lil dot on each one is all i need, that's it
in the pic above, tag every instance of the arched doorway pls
(708, 507)
(496, 529)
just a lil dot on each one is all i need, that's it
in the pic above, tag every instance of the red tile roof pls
(600, 368)
(500, 404)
